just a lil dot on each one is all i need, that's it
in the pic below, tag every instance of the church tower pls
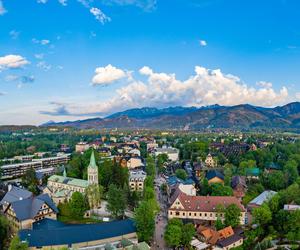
(92, 170)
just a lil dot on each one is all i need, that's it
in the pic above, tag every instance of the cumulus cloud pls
(204, 87)
(264, 84)
(203, 43)
(12, 62)
(99, 15)
(2, 9)
(108, 74)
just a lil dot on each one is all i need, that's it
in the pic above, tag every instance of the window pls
(205, 214)
(195, 214)
(190, 214)
(183, 214)
(177, 213)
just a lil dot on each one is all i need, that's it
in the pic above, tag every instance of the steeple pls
(92, 170)
(65, 173)
(92, 161)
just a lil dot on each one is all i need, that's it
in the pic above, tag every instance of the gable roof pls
(29, 208)
(204, 203)
(212, 174)
(238, 180)
(15, 194)
(69, 181)
(263, 197)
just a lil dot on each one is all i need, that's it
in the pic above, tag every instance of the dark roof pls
(238, 180)
(228, 241)
(214, 173)
(15, 194)
(28, 208)
(65, 234)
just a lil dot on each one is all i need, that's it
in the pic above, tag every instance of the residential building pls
(136, 180)
(135, 162)
(19, 169)
(214, 176)
(22, 208)
(291, 207)
(172, 153)
(82, 147)
(239, 186)
(210, 162)
(77, 236)
(261, 199)
(201, 207)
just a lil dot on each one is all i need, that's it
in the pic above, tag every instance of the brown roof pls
(204, 203)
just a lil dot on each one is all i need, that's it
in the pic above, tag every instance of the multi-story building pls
(19, 169)
(172, 153)
(22, 208)
(210, 162)
(136, 180)
(206, 208)
(82, 146)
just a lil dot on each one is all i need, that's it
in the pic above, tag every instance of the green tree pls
(188, 232)
(205, 187)
(262, 215)
(219, 224)
(149, 193)
(116, 201)
(232, 215)
(4, 231)
(291, 171)
(77, 205)
(173, 233)
(181, 174)
(30, 181)
(145, 221)
(218, 189)
(94, 193)
(16, 244)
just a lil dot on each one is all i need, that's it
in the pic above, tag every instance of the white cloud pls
(39, 56)
(63, 2)
(14, 34)
(99, 15)
(42, 1)
(264, 84)
(203, 43)
(41, 42)
(108, 74)
(12, 62)
(44, 66)
(146, 5)
(298, 95)
(2, 9)
(204, 87)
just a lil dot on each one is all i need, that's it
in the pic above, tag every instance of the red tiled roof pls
(205, 203)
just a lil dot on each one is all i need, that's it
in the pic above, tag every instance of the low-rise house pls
(239, 186)
(203, 208)
(261, 199)
(198, 167)
(81, 147)
(172, 153)
(210, 162)
(291, 207)
(223, 239)
(22, 208)
(214, 176)
(49, 234)
(135, 162)
(136, 180)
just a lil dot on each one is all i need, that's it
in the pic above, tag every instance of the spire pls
(92, 161)
(65, 173)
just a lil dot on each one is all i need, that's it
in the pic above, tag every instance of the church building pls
(61, 188)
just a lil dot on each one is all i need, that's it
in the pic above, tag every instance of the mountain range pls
(242, 116)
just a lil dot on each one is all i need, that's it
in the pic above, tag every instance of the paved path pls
(161, 218)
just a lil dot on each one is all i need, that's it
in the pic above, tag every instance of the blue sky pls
(66, 60)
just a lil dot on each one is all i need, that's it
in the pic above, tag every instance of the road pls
(161, 218)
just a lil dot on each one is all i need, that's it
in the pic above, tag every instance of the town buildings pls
(22, 208)
(136, 180)
(172, 153)
(61, 188)
(203, 208)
